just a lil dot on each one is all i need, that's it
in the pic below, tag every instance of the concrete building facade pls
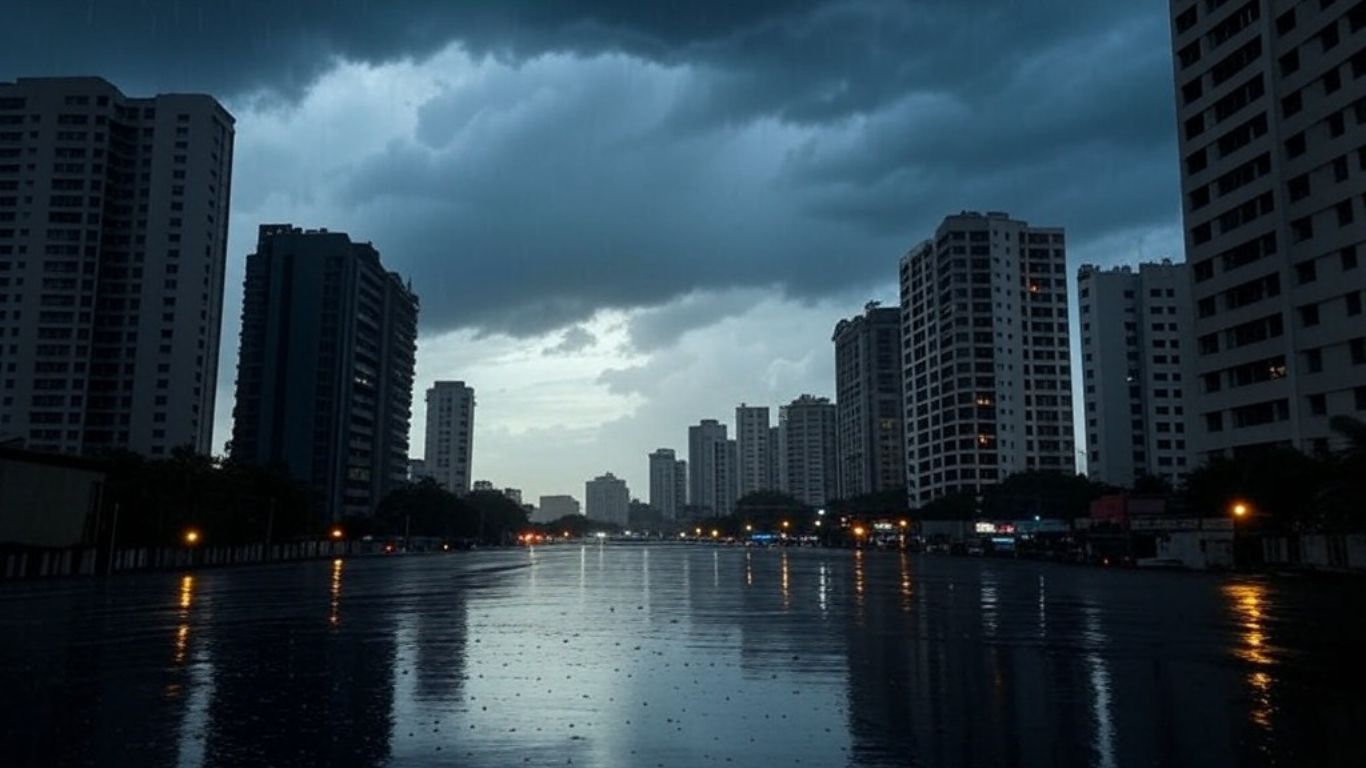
(869, 417)
(1137, 354)
(553, 508)
(680, 487)
(702, 469)
(607, 499)
(987, 363)
(113, 236)
(753, 464)
(807, 465)
(325, 368)
(727, 481)
(1273, 175)
(664, 485)
(450, 435)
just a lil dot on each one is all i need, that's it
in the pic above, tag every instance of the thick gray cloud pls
(620, 154)
(576, 338)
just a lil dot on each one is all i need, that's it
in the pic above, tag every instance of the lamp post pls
(1239, 510)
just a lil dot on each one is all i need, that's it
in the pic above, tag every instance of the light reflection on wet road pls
(681, 656)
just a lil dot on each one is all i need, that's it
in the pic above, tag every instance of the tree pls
(1045, 494)
(766, 511)
(954, 506)
(424, 508)
(1284, 487)
(645, 517)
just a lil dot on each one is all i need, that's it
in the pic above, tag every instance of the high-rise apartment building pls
(1273, 172)
(1137, 355)
(450, 435)
(702, 468)
(752, 448)
(987, 366)
(727, 466)
(680, 487)
(113, 230)
(664, 485)
(869, 419)
(325, 372)
(807, 465)
(607, 499)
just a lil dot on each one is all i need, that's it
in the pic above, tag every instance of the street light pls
(191, 537)
(337, 534)
(748, 528)
(1240, 509)
(785, 523)
(858, 531)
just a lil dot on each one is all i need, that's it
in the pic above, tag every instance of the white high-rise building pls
(807, 466)
(1137, 353)
(450, 435)
(664, 485)
(607, 499)
(113, 230)
(985, 344)
(752, 450)
(702, 467)
(1273, 172)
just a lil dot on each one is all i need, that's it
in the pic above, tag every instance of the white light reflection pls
(986, 596)
(1099, 672)
(823, 588)
(787, 593)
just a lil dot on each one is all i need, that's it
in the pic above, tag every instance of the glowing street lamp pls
(191, 537)
(904, 523)
(715, 533)
(786, 524)
(337, 534)
(859, 531)
(1240, 509)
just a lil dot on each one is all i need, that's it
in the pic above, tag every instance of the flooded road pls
(682, 656)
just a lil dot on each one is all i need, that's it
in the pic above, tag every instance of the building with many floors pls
(667, 494)
(450, 435)
(987, 368)
(113, 236)
(869, 418)
(1271, 116)
(553, 508)
(1137, 353)
(702, 467)
(753, 463)
(607, 499)
(325, 369)
(807, 466)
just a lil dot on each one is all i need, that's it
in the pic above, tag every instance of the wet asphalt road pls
(682, 656)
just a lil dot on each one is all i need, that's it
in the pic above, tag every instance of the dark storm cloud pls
(620, 154)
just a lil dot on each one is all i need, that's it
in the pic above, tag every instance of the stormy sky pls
(622, 217)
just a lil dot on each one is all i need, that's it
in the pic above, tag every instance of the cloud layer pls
(600, 189)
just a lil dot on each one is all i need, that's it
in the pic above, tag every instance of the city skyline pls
(588, 366)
